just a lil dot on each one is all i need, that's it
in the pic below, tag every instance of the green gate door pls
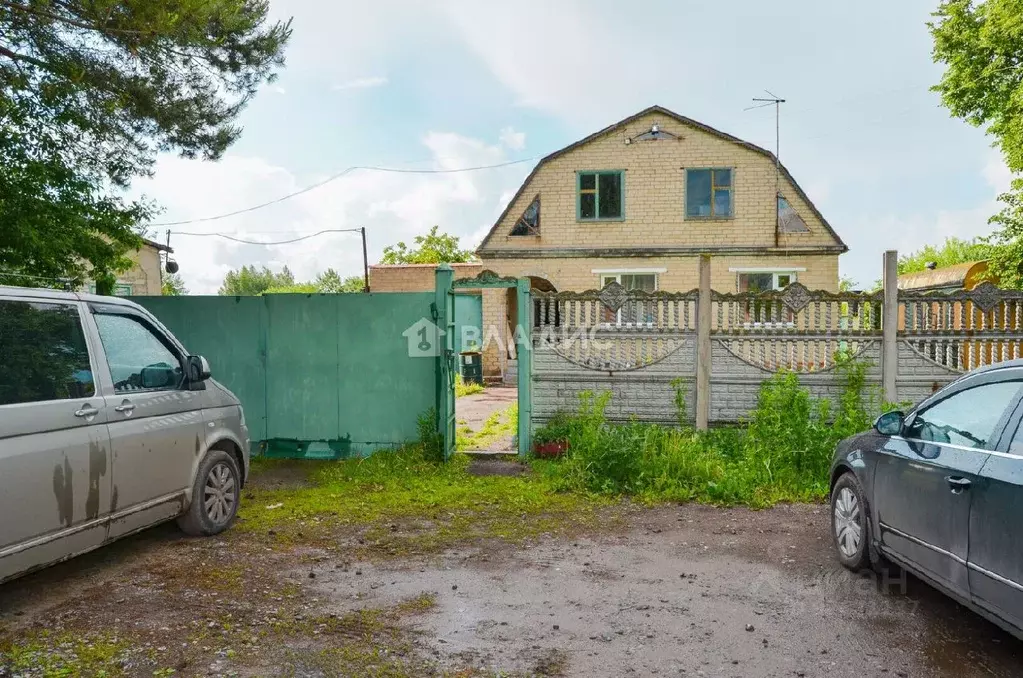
(468, 314)
(444, 317)
(446, 363)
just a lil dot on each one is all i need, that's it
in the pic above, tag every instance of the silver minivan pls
(107, 426)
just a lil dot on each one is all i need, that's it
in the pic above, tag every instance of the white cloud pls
(362, 83)
(392, 207)
(513, 140)
(868, 236)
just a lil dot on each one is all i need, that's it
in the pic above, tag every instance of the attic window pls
(788, 220)
(529, 222)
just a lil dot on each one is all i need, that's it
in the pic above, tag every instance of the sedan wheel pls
(849, 523)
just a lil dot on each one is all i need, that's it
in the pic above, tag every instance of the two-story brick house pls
(639, 201)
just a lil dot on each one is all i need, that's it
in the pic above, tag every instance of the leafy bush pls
(781, 453)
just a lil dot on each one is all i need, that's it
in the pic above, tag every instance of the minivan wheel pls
(214, 495)
(849, 523)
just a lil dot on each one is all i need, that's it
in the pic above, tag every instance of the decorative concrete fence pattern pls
(718, 348)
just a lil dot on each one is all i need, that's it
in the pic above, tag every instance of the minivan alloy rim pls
(219, 494)
(847, 522)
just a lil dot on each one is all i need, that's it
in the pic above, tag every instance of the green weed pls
(463, 389)
(781, 453)
(403, 501)
(497, 426)
(56, 655)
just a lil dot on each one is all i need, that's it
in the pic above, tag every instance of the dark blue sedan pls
(939, 491)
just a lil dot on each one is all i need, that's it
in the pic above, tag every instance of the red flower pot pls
(550, 450)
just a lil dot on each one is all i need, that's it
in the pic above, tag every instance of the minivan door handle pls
(86, 412)
(958, 484)
(125, 407)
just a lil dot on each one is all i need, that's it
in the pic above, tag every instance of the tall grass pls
(782, 452)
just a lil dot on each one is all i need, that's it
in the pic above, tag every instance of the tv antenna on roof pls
(760, 102)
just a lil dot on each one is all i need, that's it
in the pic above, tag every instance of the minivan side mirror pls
(198, 369)
(890, 423)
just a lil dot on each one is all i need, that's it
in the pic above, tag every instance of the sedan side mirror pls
(890, 423)
(198, 369)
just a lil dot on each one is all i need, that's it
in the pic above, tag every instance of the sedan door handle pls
(958, 484)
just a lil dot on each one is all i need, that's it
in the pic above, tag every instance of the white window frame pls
(793, 273)
(604, 276)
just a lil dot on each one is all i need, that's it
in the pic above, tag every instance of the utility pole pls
(365, 261)
(777, 150)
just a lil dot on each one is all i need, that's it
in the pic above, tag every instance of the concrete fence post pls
(703, 315)
(890, 327)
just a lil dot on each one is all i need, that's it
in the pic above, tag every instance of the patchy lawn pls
(398, 503)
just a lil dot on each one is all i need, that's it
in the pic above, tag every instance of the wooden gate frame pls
(446, 360)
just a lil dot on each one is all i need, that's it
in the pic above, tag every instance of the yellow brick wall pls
(654, 180)
(413, 277)
(577, 273)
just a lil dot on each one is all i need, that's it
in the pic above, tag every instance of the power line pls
(337, 176)
(258, 242)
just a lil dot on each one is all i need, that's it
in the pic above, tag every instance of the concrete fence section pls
(718, 348)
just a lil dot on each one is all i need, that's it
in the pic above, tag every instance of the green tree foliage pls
(1006, 259)
(173, 285)
(90, 92)
(981, 46)
(328, 282)
(952, 251)
(252, 281)
(432, 248)
(331, 282)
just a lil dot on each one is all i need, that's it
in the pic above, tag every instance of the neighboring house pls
(145, 277)
(638, 202)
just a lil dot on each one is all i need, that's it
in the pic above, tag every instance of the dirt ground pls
(670, 591)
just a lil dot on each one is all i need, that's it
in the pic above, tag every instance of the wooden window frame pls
(595, 192)
(713, 187)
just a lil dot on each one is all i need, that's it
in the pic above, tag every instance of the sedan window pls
(967, 418)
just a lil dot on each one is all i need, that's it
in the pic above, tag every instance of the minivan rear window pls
(44, 353)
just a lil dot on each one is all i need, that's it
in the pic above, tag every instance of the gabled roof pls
(156, 246)
(683, 120)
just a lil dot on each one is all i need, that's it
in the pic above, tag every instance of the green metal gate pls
(446, 291)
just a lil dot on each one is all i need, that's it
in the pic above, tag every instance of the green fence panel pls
(382, 389)
(230, 333)
(302, 367)
(318, 375)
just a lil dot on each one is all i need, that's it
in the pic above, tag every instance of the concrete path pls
(473, 410)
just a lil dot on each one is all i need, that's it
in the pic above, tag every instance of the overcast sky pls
(459, 83)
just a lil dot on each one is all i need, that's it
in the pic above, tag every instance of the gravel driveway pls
(690, 591)
(669, 591)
